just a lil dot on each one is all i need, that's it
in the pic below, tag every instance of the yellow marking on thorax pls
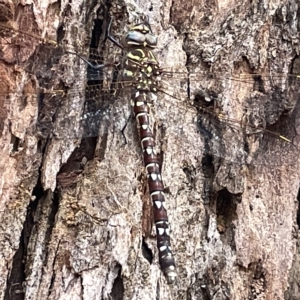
(137, 57)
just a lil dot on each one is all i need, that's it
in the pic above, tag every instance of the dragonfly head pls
(140, 34)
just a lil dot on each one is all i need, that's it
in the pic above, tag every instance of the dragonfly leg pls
(112, 39)
(124, 127)
(96, 67)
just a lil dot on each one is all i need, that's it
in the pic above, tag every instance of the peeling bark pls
(76, 216)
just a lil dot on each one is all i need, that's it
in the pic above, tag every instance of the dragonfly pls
(102, 89)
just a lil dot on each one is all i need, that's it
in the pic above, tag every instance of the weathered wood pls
(75, 214)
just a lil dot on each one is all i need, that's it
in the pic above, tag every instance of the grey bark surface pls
(75, 213)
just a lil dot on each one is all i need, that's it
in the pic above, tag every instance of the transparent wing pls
(204, 94)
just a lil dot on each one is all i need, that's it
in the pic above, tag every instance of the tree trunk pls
(76, 215)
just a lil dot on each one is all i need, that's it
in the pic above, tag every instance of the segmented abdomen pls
(141, 68)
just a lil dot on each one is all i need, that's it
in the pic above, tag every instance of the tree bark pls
(76, 215)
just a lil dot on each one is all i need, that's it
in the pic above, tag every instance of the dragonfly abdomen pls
(142, 69)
